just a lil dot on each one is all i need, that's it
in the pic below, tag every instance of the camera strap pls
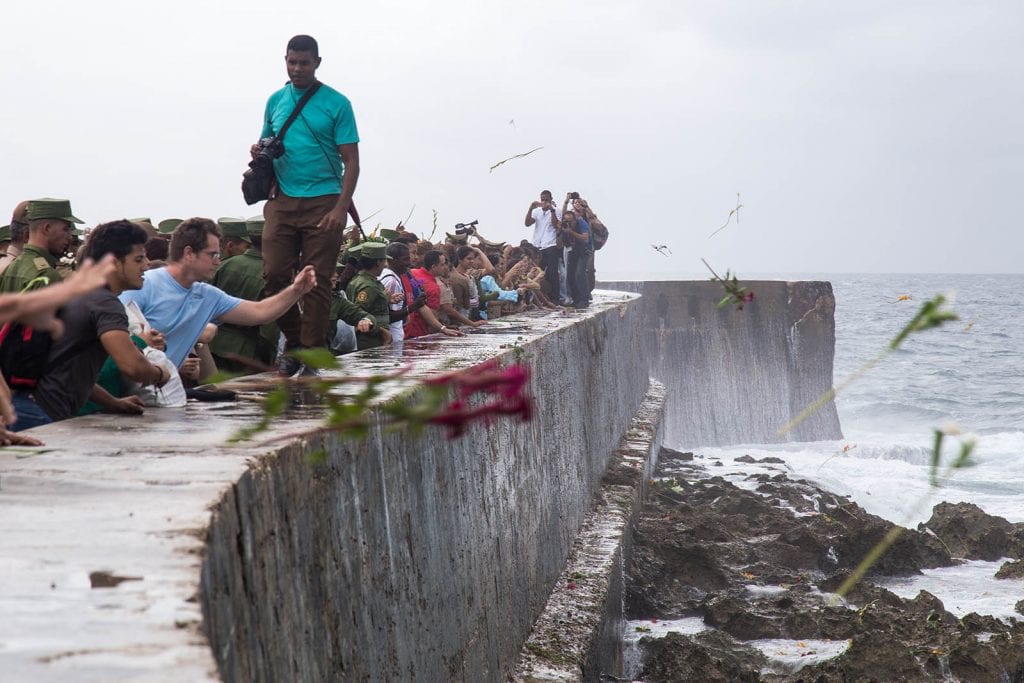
(298, 108)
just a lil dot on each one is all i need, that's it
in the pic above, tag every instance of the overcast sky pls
(862, 137)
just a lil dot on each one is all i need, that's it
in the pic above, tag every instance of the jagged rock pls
(1014, 569)
(668, 455)
(759, 564)
(710, 657)
(969, 532)
(1019, 607)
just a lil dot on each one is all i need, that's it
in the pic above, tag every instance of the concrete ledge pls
(396, 559)
(578, 637)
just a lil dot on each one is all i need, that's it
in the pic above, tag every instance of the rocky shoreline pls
(759, 563)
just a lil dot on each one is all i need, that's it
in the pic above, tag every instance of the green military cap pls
(389, 234)
(233, 228)
(5, 233)
(167, 225)
(355, 251)
(47, 207)
(374, 250)
(254, 226)
(141, 220)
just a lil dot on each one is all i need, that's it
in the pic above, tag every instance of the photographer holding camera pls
(317, 166)
(545, 218)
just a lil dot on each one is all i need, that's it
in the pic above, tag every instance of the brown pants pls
(291, 241)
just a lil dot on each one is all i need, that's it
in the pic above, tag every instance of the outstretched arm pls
(252, 313)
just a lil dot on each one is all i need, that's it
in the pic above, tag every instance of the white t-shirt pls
(544, 234)
(393, 285)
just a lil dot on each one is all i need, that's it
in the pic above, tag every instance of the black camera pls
(465, 228)
(574, 195)
(270, 147)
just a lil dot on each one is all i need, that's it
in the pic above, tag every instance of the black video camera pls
(465, 228)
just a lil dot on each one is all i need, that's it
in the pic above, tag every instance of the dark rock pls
(1019, 607)
(745, 458)
(710, 657)
(771, 459)
(755, 564)
(1014, 569)
(741, 619)
(669, 455)
(971, 533)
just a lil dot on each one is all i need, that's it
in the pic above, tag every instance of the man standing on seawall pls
(545, 217)
(316, 177)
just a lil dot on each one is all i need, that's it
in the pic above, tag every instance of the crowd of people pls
(133, 314)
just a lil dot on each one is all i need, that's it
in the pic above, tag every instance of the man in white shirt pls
(546, 219)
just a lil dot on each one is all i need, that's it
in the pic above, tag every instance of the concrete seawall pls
(146, 549)
(423, 558)
(738, 376)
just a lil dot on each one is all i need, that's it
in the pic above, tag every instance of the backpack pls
(23, 354)
(598, 233)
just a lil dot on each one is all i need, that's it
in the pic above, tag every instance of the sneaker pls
(288, 366)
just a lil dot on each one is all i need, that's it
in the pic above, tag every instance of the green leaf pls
(319, 358)
(928, 316)
(964, 458)
(936, 455)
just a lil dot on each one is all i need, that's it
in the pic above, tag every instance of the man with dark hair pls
(421, 319)
(316, 177)
(463, 279)
(96, 326)
(49, 233)
(178, 302)
(435, 265)
(545, 217)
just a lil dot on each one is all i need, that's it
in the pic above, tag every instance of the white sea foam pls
(965, 588)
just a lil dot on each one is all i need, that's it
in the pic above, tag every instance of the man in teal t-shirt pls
(316, 176)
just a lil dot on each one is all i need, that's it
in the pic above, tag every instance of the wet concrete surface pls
(130, 496)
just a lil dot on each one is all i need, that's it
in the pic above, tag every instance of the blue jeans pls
(29, 413)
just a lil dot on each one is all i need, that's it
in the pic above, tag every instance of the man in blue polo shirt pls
(177, 301)
(316, 177)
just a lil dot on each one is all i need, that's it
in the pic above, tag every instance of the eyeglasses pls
(213, 254)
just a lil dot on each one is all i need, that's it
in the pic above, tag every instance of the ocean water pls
(966, 375)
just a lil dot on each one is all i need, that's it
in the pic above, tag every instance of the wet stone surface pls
(759, 563)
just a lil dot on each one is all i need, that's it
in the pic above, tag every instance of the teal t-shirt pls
(311, 166)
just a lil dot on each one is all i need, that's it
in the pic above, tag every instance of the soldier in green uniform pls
(50, 223)
(366, 291)
(234, 237)
(242, 276)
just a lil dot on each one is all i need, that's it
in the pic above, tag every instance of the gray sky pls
(862, 137)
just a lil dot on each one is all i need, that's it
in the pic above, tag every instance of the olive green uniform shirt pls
(367, 292)
(34, 262)
(242, 276)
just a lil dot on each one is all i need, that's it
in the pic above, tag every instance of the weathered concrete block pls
(738, 376)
